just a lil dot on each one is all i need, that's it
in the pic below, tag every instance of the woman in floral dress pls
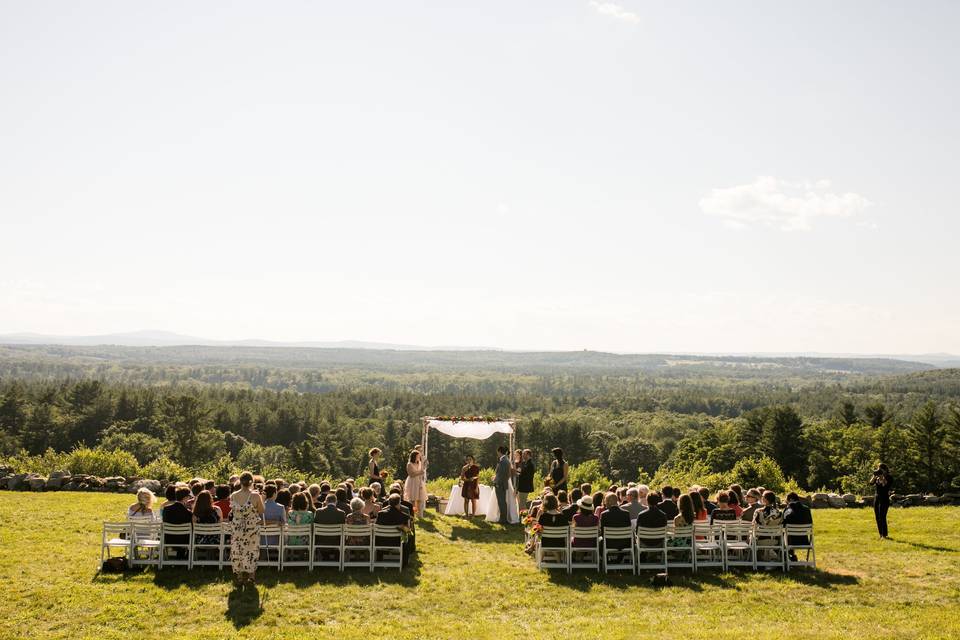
(246, 511)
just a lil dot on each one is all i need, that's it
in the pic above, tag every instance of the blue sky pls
(630, 176)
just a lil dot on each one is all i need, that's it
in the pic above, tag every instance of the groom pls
(500, 483)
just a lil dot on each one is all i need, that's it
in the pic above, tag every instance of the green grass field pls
(472, 580)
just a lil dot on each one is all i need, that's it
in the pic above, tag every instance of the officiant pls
(470, 485)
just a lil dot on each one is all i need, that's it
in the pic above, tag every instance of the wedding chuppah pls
(477, 429)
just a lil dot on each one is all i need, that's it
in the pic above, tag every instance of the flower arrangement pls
(468, 418)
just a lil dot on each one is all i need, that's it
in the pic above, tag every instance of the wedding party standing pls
(415, 486)
(559, 471)
(883, 482)
(373, 467)
(501, 484)
(470, 485)
(246, 507)
(525, 478)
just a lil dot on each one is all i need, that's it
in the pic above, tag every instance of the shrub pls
(165, 470)
(759, 472)
(101, 462)
(588, 471)
(218, 470)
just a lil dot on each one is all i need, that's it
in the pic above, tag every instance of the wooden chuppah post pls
(424, 443)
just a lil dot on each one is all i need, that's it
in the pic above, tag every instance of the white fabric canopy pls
(470, 429)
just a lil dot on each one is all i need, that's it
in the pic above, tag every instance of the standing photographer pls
(883, 482)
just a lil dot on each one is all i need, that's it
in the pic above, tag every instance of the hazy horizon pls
(613, 176)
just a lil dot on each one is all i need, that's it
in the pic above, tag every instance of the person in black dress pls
(559, 471)
(525, 478)
(883, 482)
(373, 467)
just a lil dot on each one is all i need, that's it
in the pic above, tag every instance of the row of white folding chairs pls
(310, 545)
(721, 545)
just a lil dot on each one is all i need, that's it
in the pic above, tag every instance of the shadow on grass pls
(244, 605)
(924, 546)
(584, 580)
(300, 577)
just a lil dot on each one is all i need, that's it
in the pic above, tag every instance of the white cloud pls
(614, 10)
(790, 206)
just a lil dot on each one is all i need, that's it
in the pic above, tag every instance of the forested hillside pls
(812, 422)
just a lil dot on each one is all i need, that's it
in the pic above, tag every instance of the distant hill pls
(393, 360)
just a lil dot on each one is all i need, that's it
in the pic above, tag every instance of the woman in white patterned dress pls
(246, 512)
(415, 486)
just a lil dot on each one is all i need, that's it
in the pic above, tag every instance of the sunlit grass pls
(472, 580)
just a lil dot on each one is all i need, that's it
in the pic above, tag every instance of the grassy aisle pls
(472, 580)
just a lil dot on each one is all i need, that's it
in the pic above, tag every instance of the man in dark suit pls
(329, 514)
(705, 494)
(614, 516)
(652, 518)
(667, 505)
(178, 513)
(393, 516)
(407, 507)
(501, 482)
(796, 513)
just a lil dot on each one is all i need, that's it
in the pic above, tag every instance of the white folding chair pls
(181, 548)
(708, 545)
(271, 545)
(387, 555)
(680, 550)
(324, 546)
(355, 552)
(739, 549)
(585, 557)
(651, 541)
(206, 545)
(768, 542)
(615, 556)
(116, 535)
(145, 544)
(549, 556)
(297, 546)
(799, 531)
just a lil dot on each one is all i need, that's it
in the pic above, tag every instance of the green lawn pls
(472, 580)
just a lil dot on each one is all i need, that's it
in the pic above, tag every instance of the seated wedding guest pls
(222, 500)
(351, 489)
(378, 495)
(652, 518)
(299, 514)
(142, 509)
(178, 513)
(572, 508)
(737, 498)
(614, 516)
(234, 479)
(562, 499)
(752, 497)
(796, 513)
(551, 517)
(205, 513)
(586, 489)
(169, 493)
(700, 512)
(356, 516)
(407, 507)
(597, 500)
(370, 505)
(723, 511)
(329, 514)
(536, 507)
(633, 506)
(705, 495)
(644, 491)
(667, 505)
(314, 491)
(283, 498)
(325, 488)
(210, 486)
(393, 515)
(585, 518)
(768, 516)
(344, 502)
(273, 512)
(684, 518)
